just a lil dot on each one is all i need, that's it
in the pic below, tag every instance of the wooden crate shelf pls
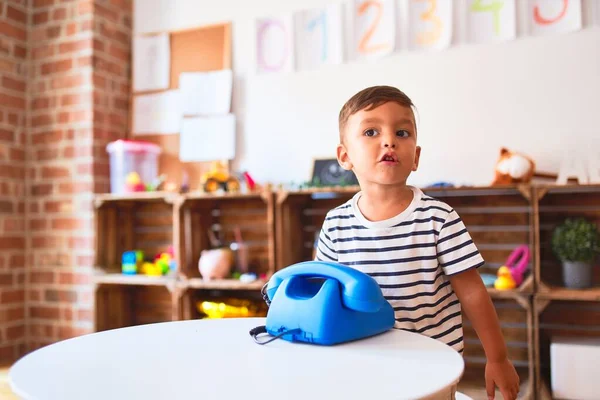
(516, 321)
(253, 214)
(140, 221)
(555, 204)
(281, 228)
(235, 296)
(119, 306)
(560, 318)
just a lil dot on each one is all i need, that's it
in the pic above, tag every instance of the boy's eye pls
(402, 133)
(370, 132)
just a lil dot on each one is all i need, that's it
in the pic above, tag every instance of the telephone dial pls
(323, 303)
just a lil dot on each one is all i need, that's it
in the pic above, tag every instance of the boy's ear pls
(342, 157)
(417, 157)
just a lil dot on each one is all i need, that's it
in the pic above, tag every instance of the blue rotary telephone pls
(323, 303)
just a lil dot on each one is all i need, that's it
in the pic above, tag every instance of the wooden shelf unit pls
(498, 219)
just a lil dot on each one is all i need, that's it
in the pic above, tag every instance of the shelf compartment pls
(235, 296)
(554, 205)
(516, 322)
(101, 278)
(119, 306)
(252, 213)
(560, 318)
(146, 222)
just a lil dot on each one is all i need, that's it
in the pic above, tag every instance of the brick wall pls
(78, 77)
(13, 93)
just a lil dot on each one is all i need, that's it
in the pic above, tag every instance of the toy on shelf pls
(134, 262)
(218, 177)
(230, 308)
(511, 274)
(513, 167)
(131, 262)
(217, 262)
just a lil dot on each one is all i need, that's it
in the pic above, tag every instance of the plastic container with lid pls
(126, 156)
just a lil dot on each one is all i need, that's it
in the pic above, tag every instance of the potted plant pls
(576, 243)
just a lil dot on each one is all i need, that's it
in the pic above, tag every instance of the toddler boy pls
(415, 246)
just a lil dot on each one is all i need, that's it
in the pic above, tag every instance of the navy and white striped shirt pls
(411, 256)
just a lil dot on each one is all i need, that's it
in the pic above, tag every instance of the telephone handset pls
(325, 303)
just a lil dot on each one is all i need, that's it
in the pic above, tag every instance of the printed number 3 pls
(494, 7)
(433, 35)
(547, 21)
(363, 45)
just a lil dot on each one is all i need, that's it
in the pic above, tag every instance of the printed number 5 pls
(432, 36)
(494, 7)
(544, 21)
(363, 45)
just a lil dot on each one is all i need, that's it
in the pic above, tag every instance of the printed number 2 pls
(494, 8)
(312, 24)
(363, 44)
(547, 21)
(432, 36)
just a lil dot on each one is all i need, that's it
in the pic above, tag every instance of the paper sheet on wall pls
(491, 20)
(157, 113)
(207, 138)
(374, 28)
(206, 93)
(430, 24)
(554, 16)
(319, 37)
(274, 44)
(151, 62)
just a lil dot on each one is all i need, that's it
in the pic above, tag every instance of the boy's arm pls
(479, 309)
(460, 258)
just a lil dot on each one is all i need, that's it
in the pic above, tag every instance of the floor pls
(5, 392)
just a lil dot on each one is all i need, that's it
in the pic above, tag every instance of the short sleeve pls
(456, 251)
(325, 246)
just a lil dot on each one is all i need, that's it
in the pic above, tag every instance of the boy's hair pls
(370, 98)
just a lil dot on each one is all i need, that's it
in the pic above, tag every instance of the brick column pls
(13, 56)
(79, 72)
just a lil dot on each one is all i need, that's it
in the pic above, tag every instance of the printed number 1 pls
(494, 8)
(544, 21)
(362, 45)
(430, 37)
(312, 24)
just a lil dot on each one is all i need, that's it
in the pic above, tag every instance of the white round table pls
(218, 359)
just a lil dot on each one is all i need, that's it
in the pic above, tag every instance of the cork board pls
(201, 49)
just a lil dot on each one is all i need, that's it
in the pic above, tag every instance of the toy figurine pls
(131, 262)
(511, 274)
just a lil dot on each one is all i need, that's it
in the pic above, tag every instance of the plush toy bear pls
(513, 167)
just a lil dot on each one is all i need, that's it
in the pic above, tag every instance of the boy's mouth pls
(389, 157)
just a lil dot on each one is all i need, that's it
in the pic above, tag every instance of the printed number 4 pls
(494, 8)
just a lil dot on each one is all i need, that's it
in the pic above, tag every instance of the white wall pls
(538, 95)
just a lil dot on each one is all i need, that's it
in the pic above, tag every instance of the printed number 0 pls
(261, 57)
(430, 37)
(544, 21)
(363, 46)
(494, 7)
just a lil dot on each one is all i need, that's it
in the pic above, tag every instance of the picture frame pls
(328, 172)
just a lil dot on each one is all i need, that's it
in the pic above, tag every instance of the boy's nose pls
(392, 145)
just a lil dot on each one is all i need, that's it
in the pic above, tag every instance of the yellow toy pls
(219, 177)
(505, 280)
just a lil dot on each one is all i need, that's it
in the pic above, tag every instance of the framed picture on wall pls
(328, 172)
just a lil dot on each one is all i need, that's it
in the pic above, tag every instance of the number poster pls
(369, 29)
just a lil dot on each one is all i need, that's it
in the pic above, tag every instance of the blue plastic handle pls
(360, 291)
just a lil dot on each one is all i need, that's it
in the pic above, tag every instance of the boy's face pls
(380, 145)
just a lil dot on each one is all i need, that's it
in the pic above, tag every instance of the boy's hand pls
(501, 374)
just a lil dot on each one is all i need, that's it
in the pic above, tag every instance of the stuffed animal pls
(513, 167)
